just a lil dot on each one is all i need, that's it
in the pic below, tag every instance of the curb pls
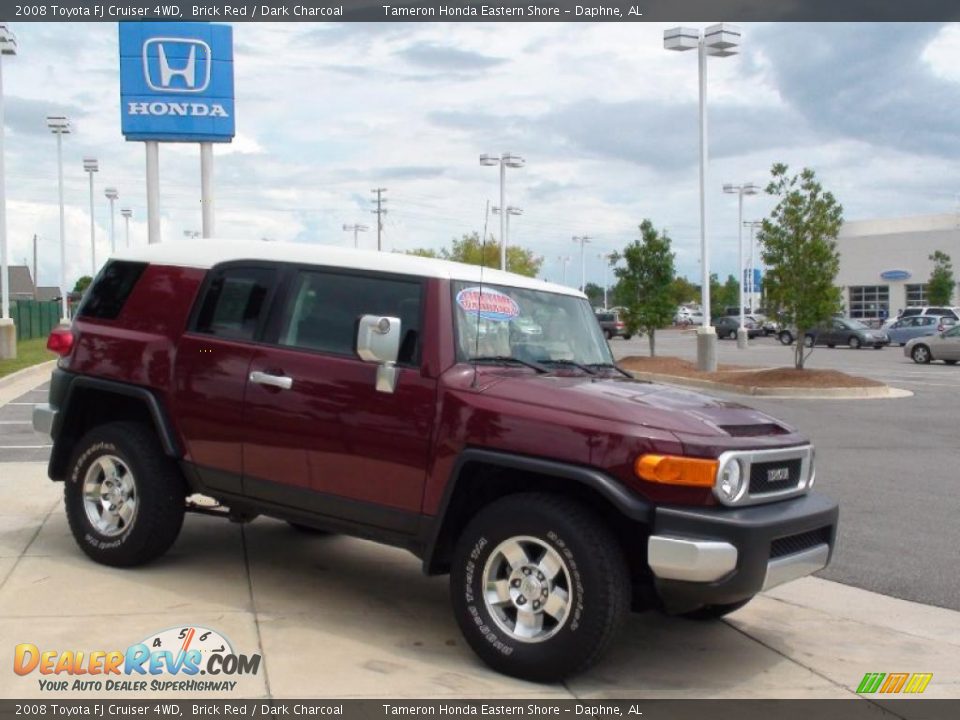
(16, 384)
(851, 393)
(40, 369)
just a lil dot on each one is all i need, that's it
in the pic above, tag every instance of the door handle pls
(278, 381)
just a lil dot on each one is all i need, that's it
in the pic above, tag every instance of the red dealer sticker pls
(489, 304)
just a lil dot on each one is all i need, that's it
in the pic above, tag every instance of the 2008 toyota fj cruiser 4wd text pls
(477, 420)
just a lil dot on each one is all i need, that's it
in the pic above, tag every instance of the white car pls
(953, 312)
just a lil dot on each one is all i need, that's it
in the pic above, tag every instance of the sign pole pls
(153, 191)
(206, 187)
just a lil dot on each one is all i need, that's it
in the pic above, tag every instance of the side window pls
(235, 303)
(109, 292)
(953, 332)
(326, 306)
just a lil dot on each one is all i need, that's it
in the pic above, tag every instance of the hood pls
(683, 412)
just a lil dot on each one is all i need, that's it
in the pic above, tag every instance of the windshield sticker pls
(488, 304)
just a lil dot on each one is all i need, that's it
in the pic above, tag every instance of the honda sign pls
(176, 81)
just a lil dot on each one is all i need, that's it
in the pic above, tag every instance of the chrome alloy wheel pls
(110, 496)
(527, 589)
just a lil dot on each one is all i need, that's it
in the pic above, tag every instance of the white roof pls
(205, 253)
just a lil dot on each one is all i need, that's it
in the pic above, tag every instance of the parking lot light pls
(8, 339)
(112, 195)
(721, 40)
(60, 126)
(740, 191)
(127, 213)
(90, 166)
(504, 161)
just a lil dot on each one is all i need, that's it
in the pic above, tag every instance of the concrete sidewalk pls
(338, 617)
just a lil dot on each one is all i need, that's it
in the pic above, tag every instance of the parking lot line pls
(15, 422)
(24, 447)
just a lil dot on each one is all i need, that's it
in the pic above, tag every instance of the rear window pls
(109, 292)
(235, 302)
(607, 317)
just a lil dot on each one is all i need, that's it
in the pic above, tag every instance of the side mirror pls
(378, 340)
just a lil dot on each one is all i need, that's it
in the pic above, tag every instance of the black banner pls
(483, 10)
(852, 709)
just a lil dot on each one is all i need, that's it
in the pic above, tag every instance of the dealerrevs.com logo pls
(186, 659)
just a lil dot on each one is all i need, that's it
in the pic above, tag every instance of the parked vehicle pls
(939, 311)
(688, 316)
(852, 333)
(907, 328)
(727, 327)
(385, 396)
(942, 346)
(612, 325)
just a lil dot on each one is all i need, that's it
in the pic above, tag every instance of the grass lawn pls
(29, 352)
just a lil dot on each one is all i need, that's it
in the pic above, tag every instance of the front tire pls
(808, 341)
(785, 338)
(921, 354)
(539, 586)
(854, 342)
(124, 497)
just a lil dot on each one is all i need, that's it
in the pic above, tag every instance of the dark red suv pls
(473, 417)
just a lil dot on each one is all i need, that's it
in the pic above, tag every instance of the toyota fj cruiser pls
(474, 417)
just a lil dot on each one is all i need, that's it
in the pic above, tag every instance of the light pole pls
(8, 332)
(112, 195)
(90, 166)
(60, 126)
(719, 40)
(504, 161)
(356, 228)
(753, 225)
(127, 213)
(606, 257)
(510, 211)
(740, 191)
(583, 240)
(564, 261)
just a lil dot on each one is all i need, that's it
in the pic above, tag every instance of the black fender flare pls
(629, 504)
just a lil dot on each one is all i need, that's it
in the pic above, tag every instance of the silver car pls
(943, 346)
(908, 328)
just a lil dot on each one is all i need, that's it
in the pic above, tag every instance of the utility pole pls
(355, 228)
(36, 280)
(583, 240)
(379, 212)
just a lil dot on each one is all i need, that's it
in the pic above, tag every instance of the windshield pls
(856, 325)
(528, 325)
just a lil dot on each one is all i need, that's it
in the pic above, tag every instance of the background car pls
(688, 316)
(951, 312)
(905, 329)
(842, 331)
(727, 327)
(612, 325)
(942, 346)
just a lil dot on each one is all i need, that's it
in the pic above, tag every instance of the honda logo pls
(181, 65)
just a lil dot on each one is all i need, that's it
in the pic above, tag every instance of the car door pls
(319, 436)
(947, 346)
(210, 369)
(923, 325)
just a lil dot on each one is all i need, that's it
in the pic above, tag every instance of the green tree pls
(644, 285)
(940, 284)
(729, 295)
(594, 294)
(800, 250)
(683, 291)
(468, 249)
(83, 282)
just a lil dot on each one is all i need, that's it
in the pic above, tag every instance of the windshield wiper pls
(611, 366)
(510, 359)
(570, 363)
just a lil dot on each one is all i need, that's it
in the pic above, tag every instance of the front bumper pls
(719, 555)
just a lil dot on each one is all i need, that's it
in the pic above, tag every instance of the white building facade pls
(885, 264)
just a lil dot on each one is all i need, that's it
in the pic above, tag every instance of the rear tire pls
(808, 341)
(854, 342)
(785, 338)
(566, 560)
(608, 335)
(627, 337)
(950, 362)
(715, 612)
(921, 354)
(124, 497)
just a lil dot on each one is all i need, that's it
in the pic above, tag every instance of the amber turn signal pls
(676, 470)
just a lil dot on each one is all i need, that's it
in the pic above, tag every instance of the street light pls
(192, 234)
(753, 225)
(127, 213)
(583, 240)
(719, 40)
(740, 191)
(111, 194)
(90, 166)
(511, 210)
(60, 126)
(356, 228)
(8, 333)
(504, 161)
(606, 257)
(564, 261)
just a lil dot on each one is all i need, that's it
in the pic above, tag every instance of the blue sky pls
(606, 119)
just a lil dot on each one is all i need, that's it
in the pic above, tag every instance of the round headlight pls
(730, 482)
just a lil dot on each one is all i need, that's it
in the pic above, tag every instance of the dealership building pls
(885, 264)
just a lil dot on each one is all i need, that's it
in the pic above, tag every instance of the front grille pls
(765, 476)
(798, 543)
